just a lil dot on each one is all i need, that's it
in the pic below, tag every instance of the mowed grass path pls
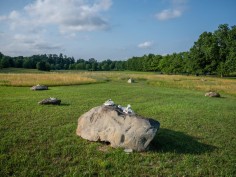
(197, 135)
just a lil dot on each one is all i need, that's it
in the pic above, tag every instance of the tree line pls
(41, 62)
(59, 62)
(213, 53)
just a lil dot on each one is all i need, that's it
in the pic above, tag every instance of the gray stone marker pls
(39, 87)
(53, 101)
(212, 94)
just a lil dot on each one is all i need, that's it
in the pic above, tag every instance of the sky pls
(108, 29)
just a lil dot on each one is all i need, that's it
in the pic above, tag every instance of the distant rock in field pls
(120, 129)
(53, 101)
(212, 94)
(130, 81)
(39, 87)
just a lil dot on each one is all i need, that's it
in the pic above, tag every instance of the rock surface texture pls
(53, 101)
(212, 94)
(39, 87)
(111, 124)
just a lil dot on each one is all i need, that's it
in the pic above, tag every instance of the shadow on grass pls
(173, 141)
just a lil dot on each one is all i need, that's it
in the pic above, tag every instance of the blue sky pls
(108, 29)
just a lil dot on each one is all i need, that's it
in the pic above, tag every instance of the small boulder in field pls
(39, 87)
(121, 129)
(212, 94)
(130, 81)
(53, 101)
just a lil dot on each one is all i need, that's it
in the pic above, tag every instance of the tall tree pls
(43, 66)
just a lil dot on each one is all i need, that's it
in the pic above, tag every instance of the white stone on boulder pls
(109, 103)
(126, 110)
(111, 124)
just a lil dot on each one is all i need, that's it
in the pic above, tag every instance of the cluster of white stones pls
(126, 110)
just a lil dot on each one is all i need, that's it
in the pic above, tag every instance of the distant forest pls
(213, 53)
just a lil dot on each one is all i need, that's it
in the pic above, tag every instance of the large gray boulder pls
(111, 124)
(53, 101)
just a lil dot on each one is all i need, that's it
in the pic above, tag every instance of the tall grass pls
(222, 85)
(203, 83)
(50, 79)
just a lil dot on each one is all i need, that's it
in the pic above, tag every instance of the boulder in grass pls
(130, 81)
(122, 130)
(212, 94)
(53, 101)
(39, 87)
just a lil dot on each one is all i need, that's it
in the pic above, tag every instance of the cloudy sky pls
(108, 29)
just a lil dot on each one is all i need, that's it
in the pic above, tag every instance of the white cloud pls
(21, 44)
(33, 29)
(145, 45)
(70, 15)
(178, 7)
(168, 14)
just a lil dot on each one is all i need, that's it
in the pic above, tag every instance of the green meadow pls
(197, 136)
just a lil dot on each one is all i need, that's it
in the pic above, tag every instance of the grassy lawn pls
(197, 135)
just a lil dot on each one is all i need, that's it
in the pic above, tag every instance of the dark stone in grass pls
(53, 101)
(39, 87)
(124, 130)
(212, 94)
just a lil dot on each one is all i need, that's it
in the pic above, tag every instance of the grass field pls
(197, 135)
(24, 77)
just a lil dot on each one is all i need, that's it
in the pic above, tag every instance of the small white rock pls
(128, 110)
(51, 98)
(109, 103)
(128, 151)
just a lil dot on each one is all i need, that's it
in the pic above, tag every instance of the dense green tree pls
(27, 63)
(231, 48)
(19, 62)
(5, 62)
(119, 66)
(80, 66)
(1, 56)
(43, 66)
(72, 66)
(165, 64)
(88, 66)
(204, 54)
(105, 66)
